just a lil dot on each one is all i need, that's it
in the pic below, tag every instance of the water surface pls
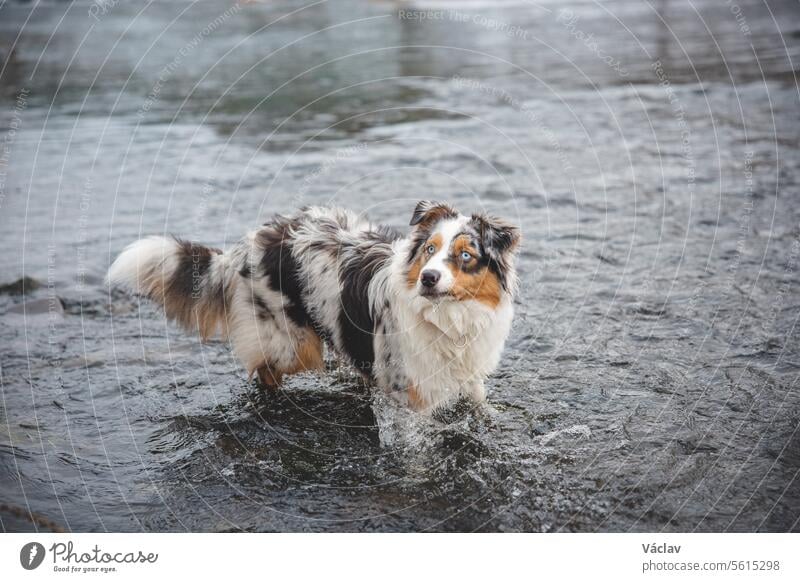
(648, 149)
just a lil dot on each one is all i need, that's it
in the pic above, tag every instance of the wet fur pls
(328, 276)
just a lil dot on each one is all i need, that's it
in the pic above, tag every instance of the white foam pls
(580, 431)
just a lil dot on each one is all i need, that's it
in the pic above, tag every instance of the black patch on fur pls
(278, 263)
(498, 241)
(418, 238)
(263, 311)
(356, 320)
(193, 263)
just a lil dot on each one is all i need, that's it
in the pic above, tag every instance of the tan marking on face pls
(424, 257)
(461, 244)
(482, 285)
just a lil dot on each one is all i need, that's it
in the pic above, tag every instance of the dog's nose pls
(430, 277)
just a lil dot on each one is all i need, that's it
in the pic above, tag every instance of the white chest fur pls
(449, 348)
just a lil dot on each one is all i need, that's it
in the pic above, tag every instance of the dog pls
(425, 315)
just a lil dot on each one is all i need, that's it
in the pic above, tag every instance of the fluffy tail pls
(189, 281)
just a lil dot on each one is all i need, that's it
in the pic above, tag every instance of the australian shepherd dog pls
(424, 315)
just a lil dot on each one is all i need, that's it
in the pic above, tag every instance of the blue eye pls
(430, 249)
(465, 256)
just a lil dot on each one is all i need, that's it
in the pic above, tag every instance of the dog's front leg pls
(475, 390)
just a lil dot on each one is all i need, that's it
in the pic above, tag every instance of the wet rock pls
(607, 259)
(21, 286)
(539, 428)
(653, 310)
(94, 307)
(44, 306)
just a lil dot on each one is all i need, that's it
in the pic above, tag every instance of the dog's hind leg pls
(307, 350)
(267, 342)
(269, 378)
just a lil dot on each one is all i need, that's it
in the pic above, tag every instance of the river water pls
(648, 149)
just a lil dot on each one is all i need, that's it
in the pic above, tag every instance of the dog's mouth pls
(432, 294)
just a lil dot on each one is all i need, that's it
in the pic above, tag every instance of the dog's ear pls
(427, 212)
(498, 237)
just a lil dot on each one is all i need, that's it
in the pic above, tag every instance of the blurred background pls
(648, 149)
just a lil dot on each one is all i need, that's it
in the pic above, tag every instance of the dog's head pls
(459, 258)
